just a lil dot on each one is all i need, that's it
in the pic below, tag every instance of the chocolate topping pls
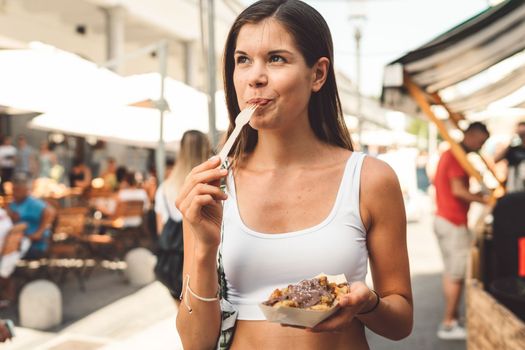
(306, 293)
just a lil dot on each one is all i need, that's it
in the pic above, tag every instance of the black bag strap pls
(220, 269)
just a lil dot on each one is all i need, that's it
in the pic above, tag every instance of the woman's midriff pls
(265, 335)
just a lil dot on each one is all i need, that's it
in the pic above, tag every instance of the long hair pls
(194, 149)
(312, 37)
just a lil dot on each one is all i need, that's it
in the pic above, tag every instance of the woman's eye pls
(277, 59)
(241, 59)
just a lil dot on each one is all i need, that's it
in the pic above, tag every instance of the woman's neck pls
(294, 147)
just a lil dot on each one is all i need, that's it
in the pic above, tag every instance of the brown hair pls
(313, 39)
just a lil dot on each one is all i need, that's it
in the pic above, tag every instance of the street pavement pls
(112, 315)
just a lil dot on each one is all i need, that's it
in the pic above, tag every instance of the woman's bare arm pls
(200, 329)
(382, 205)
(383, 215)
(199, 203)
(160, 223)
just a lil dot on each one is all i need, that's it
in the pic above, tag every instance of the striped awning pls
(460, 64)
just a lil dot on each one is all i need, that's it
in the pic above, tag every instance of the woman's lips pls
(259, 101)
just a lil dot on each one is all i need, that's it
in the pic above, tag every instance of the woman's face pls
(272, 73)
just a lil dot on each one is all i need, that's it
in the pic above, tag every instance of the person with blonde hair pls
(194, 149)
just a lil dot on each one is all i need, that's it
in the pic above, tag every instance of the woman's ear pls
(320, 72)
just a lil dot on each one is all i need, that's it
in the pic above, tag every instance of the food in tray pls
(313, 294)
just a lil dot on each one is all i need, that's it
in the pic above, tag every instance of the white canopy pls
(44, 78)
(182, 99)
(138, 125)
(129, 125)
(77, 97)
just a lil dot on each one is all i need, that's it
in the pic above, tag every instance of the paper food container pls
(301, 317)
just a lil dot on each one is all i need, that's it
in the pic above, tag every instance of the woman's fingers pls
(211, 163)
(353, 299)
(201, 189)
(204, 177)
(350, 304)
(194, 210)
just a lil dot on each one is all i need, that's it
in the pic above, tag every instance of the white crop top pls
(257, 263)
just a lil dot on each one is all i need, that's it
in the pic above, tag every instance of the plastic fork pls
(242, 119)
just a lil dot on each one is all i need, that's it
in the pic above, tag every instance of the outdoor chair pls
(122, 231)
(128, 222)
(68, 249)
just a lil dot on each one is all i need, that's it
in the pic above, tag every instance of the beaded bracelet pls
(378, 299)
(188, 289)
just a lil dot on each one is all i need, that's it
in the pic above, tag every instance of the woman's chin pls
(257, 122)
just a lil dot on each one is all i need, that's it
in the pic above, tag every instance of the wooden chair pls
(123, 230)
(68, 251)
(95, 192)
(128, 218)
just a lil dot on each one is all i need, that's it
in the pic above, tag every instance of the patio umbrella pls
(45, 78)
(127, 125)
(136, 125)
(182, 99)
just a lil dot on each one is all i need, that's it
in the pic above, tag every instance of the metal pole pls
(115, 32)
(357, 36)
(212, 79)
(161, 49)
(162, 52)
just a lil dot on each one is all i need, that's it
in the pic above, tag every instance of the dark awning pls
(461, 53)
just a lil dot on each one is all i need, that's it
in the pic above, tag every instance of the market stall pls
(477, 66)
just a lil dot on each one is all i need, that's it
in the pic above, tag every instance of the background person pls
(293, 206)
(13, 246)
(80, 175)
(46, 160)
(110, 174)
(514, 155)
(453, 199)
(7, 161)
(194, 149)
(25, 157)
(32, 211)
(129, 191)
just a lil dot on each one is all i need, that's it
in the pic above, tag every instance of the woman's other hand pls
(199, 201)
(359, 299)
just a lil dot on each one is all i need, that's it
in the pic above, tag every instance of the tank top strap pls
(351, 188)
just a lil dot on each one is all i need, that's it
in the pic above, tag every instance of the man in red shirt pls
(453, 200)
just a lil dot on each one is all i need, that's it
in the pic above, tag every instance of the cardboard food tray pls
(301, 317)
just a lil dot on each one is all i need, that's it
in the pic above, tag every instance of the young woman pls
(298, 202)
(194, 149)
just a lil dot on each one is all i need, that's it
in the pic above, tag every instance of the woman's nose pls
(258, 76)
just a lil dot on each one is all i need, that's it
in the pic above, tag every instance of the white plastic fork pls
(242, 119)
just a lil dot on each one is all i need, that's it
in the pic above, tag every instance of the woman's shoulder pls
(377, 175)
